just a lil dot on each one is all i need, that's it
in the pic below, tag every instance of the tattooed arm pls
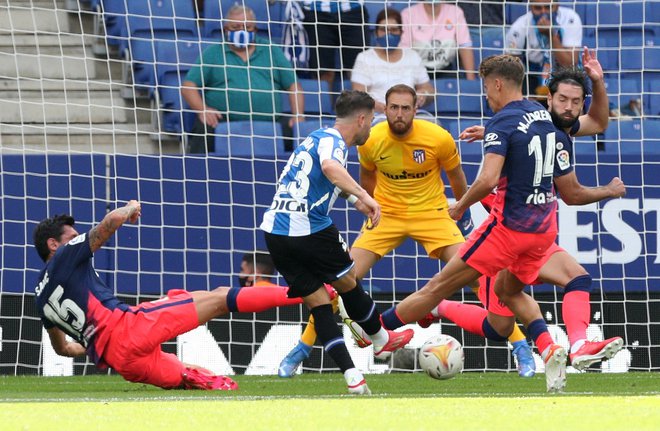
(111, 222)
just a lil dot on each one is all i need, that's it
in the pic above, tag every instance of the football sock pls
(256, 299)
(391, 319)
(330, 335)
(468, 316)
(309, 334)
(361, 308)
(538, 331)
(517, 335)
(490, 332)
(576, 309)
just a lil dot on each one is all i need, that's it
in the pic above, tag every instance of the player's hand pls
(135, 210)
(455, 211)
(370, 208)
(210, 116)
(617, 188)
(472, 133)
(465, 223)
(592, 65)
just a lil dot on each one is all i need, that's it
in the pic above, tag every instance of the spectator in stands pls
(386, 64)
(331, 25)
(239, 79)
(437, 31)
(546, 37)
(484, 18)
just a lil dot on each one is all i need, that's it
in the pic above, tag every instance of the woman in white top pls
(379, 68)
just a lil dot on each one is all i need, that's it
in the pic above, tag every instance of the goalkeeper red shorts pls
(134, 347)
(494, 247)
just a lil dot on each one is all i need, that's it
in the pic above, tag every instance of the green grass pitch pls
(401, 401)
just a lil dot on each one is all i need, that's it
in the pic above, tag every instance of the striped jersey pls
(304, 195)
(332, 6)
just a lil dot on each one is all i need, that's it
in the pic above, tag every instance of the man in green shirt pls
(240, 79)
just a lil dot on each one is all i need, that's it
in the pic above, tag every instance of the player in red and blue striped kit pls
(523, 153)
(72, 300)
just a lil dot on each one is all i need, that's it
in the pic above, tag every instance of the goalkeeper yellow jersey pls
(408, 169)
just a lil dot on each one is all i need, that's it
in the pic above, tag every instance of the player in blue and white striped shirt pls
(307, 248)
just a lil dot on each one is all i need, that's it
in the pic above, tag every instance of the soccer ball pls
(441, 357)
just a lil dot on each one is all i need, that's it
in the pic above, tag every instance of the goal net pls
(92, 116)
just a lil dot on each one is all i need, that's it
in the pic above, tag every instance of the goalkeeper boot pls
(359, 336)
(292, 361)
(555, 368)
(524, 359)
(594, 351)
(396, 341)
(200, 378)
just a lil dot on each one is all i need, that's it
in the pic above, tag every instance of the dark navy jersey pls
(535, 151)
(71, 296)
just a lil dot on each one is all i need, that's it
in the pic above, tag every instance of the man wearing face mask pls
(547, 37)
(240, 79)
(386, 64)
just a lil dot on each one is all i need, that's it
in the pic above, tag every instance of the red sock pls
(543, 341)
(468, 316)
(256, 299)
(576, 311)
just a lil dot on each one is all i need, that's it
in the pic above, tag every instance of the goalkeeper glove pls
(465, 224)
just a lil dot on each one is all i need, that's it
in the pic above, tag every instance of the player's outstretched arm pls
(597, 118)
(488, 178)
(63, 347)
(574, 193)
(113, 221)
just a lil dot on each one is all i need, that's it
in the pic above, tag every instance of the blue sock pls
(490, 332)
(391, 320)
(536, 328)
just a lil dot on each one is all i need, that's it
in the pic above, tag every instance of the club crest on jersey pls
(419, 156)
(564, 160)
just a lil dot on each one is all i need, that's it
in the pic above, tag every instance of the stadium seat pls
(456, 98)
(303, 129)
(512, 11)
(652, 97)
(148, 22)
(249, 139)
(114, 19)
(318, 100)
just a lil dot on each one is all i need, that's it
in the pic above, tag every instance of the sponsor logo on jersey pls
(288, 205)
(491, 139)
(419, 156)
(407, 175)
(564, 160)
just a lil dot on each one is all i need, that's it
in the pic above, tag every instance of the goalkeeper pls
(72, 300)
(400, 166)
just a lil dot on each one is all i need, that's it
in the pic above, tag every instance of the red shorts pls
(493, 247)
(488, 298)
(134, 346)
(487, 294)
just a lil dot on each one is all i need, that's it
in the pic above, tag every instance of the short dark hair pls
(401, 88)
(505, 66)
(351, 101)
(568, 75)
(50, 228)
(388, 13)
(261, 262)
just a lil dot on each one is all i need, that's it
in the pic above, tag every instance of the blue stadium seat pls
(318, 100)
(652, 96)
(249, 139)
(512, 11)
(303, 129)
(457, 98)
(114, 18)
(148, 22)
(269, 19)
(620, 49)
